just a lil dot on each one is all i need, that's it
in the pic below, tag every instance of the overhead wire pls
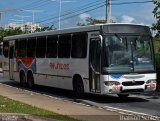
(37, 2)
(123, 3)
(63, 19)
(73, 12)
(80, 12)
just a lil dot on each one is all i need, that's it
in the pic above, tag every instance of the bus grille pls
(132, 83)
(132, 91)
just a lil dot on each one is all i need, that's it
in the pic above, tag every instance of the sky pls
(46, 12)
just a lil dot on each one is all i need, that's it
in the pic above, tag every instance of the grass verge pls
(11, 106)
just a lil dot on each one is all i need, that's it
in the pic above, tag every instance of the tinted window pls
(22, 48)
(31, 45)
(52, 46)
(64, 46)
(79, 45)
(41, 47)
(16, 48)
(5, 49)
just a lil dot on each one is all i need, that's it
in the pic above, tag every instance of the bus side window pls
(5, 49)
(22, 50)
(64, 46)
(52, 47)
(31, 46)
(41, 47)
(16, 49)
(79, 45)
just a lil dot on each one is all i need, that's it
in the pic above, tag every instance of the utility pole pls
(22, 20)
(16, 21)
(33, 14)
(1, 19)
(108, 11)
(60, 10)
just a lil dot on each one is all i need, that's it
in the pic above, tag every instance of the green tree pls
(156, 12)
(91, 21)
(45, 28)
(11, 31)
(2, 33)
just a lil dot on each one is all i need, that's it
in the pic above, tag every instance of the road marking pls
(123, 112)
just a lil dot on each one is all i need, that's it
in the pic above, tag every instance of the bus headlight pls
(152, 81)
(111, 83)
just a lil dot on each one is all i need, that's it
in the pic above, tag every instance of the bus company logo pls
(60, 66)
(116, 76)
(27, 62)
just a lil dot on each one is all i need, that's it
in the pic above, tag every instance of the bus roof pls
(69, 30)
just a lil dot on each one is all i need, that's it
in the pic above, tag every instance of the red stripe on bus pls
(27, 62)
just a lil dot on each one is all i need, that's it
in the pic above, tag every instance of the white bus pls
(100, 59)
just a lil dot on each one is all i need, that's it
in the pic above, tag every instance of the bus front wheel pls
(78, 87)
(22, 79)
(30, 81)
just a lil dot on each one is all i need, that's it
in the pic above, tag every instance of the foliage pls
(17, 31)
(157, 59)
(45, 28)
(9, 32)
(12, 31)
(11, 106)
(2, 33)
(156, 12)
(157, 52)
(91, 21)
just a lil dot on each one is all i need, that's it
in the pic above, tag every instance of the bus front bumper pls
(116, 89)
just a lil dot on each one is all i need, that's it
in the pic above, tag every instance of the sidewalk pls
(75, 110)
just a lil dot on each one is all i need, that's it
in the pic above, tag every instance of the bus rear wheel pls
(22, 79)
(30, 81)
(78, 88)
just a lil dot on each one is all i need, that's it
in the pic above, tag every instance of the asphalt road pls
(144, 103)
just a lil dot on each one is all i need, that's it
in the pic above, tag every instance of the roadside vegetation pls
(11, 106)
(157, 59)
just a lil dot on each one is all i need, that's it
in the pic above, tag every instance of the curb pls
(123, 112)
(22, 117)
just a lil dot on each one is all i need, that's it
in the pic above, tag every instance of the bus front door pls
(95, 55)
(11, 62)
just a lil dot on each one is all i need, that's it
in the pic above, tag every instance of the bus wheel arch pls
(78, 86)
(23, 81)
(30, 80)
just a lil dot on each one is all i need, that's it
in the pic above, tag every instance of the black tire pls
(30, 81)
(123, 95)
(78, 88)
(23, 79)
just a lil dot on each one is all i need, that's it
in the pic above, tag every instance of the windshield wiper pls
(118, 37)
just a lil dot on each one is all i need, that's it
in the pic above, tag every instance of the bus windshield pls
(122, 54)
